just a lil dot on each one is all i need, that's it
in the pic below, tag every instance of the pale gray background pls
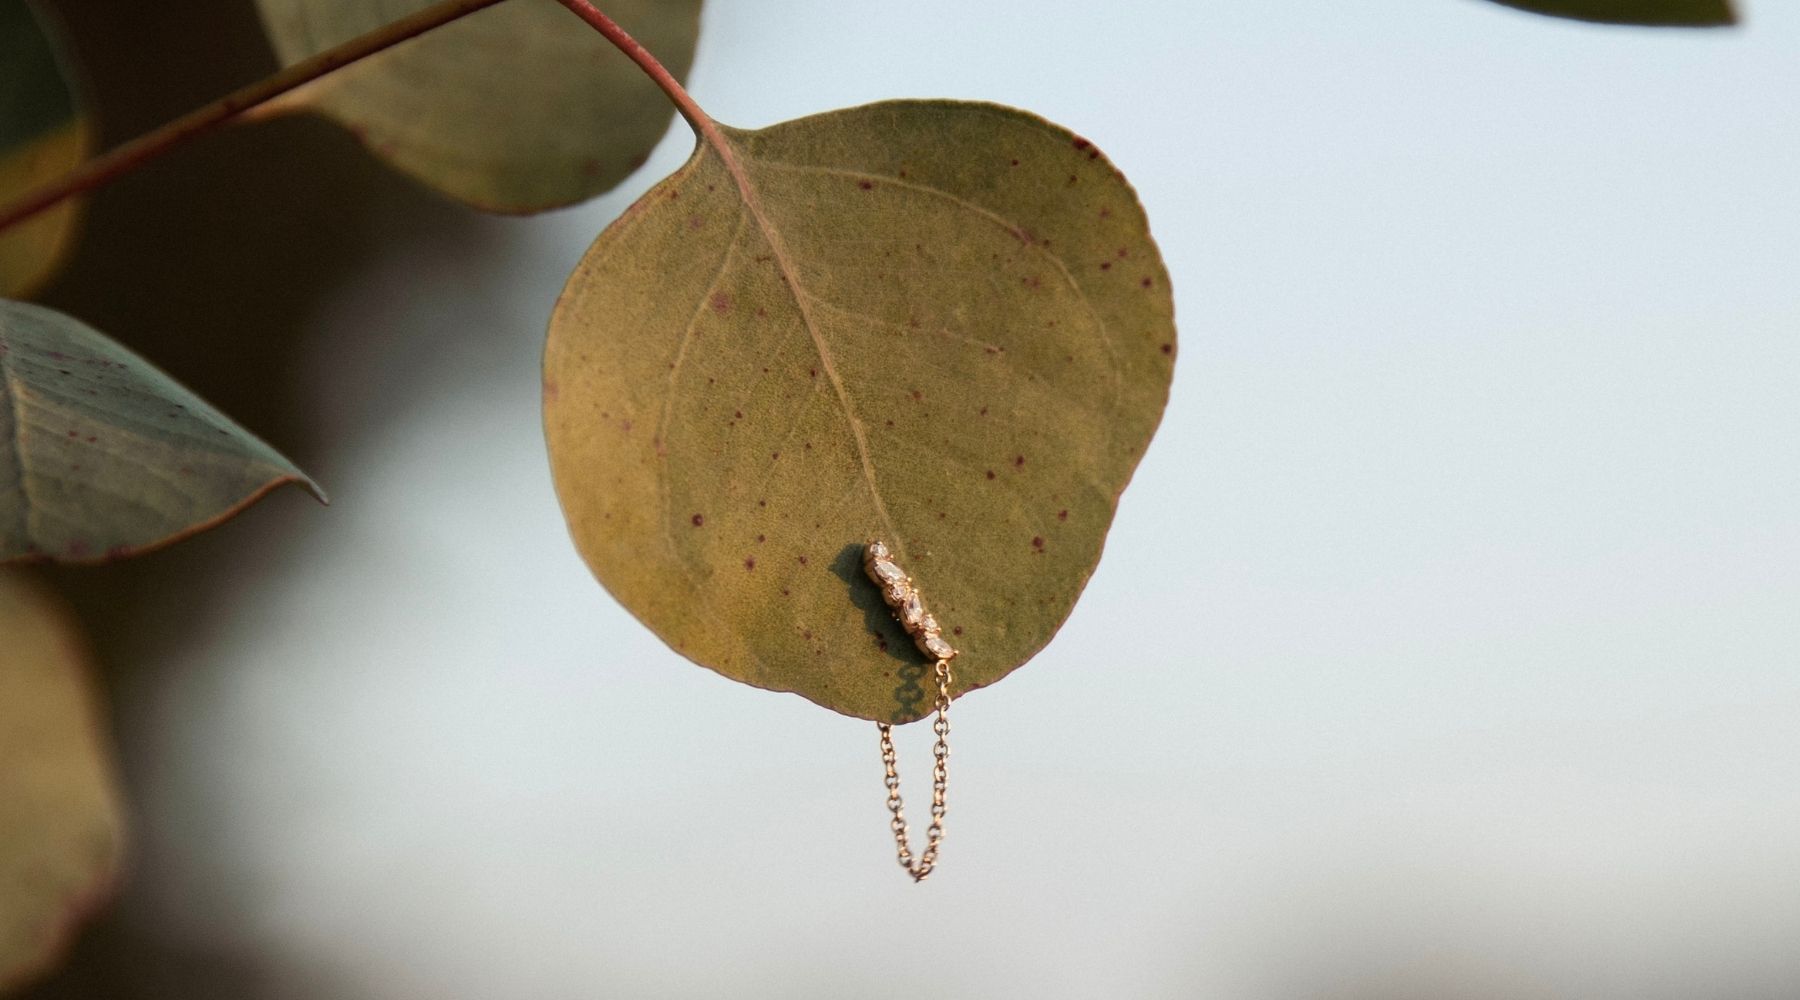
(1444, 644)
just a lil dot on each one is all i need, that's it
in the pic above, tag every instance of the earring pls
(909, 607)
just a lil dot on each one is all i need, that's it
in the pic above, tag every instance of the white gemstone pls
(936, 646)
(929, 625)
(898, 593)
(912, 611)
(887, 572)
(877, 550)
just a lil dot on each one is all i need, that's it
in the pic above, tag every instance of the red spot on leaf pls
(750, 564)
(1147, 282)
(698, 520)
(1018, 461)
(990, 473)
(1037, 542)
(1062, 515)
(721, 302)
(1168, 348)
(866, 185)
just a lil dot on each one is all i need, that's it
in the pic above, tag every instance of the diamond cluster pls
(897, 589)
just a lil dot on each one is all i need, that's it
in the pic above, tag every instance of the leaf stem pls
(123, 159)
(658, 73)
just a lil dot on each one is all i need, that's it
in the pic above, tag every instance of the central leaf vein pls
(790, 276)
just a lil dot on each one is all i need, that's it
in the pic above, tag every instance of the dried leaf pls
(102, 456)
(1658, 13)
(44, 132)
(937, 323)
(518, 108)
(60, 823)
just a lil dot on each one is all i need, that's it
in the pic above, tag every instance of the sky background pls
(1444, 645)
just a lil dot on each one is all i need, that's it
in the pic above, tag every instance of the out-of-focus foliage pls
(102, 456)
(61, 827)
(44, 132)
(1660, 13)
(518, 108)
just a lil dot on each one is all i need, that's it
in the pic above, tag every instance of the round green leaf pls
(44, 132)
(936, 323)
(518, 108)
(1660, 13)
(102, 456)
(60, 823)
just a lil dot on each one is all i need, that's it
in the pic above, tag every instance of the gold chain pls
(940, 776)
(898, 590)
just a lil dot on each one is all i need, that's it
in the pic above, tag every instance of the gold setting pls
(898, 590)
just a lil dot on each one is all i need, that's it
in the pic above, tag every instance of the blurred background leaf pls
(44, 131)
(1661, 13)
(106, 456)
(516, 109)
(61, 826)
(223, 262)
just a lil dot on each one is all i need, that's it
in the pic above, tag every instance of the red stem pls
(656, 71)
(128, 157)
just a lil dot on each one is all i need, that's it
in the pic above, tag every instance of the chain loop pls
(940, 777)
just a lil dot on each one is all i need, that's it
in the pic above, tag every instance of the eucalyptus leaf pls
(940, 324)
(1658, 13)
(61, 827)
(102, 456)
(44, 132)
(517, 108)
